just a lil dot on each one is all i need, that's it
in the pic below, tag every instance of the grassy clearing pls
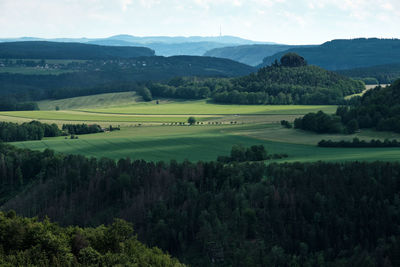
(201, 107)
(92, 101)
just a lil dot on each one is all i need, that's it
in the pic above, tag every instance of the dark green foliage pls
(352, 126)
(378, 108)
(278, 84)
(357, 143)
(292, 60)
(61, 50)
(382, 74)
(253, 153)
(286, 124)
(346, 54)
(11, 104)
(145, 93)
(34, 130)
(29, 242)
(82, 128)
(213, 213)
(191, 120)
(319, 122)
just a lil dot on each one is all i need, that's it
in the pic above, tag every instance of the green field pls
(201, 107)
(92, 101)
(156, 139)
(198, 143)
(76, 116)
(32, 71)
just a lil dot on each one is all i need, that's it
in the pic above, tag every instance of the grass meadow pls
(222, 127)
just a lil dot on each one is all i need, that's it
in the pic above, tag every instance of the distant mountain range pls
(162, 45)
(346, 54)
(57, 50)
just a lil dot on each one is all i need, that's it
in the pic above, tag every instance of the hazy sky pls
(282, 21)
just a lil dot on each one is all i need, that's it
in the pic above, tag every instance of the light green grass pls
(254, 125)
(201, 107)
(65, 116)
(92, 101)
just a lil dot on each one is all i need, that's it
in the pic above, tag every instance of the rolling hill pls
(58, 50)
(108, 76)
(382, 74)
(347, 54)
(248, 54)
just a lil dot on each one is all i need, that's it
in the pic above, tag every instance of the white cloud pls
(294, 21)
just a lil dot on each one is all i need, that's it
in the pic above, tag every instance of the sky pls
(280, 21)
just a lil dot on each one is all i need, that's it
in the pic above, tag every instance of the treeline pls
(378, 108)
(357, 143)
(29, 242)
(319, 122)
(11, 104)
(253, 153)
(214, 213)
(82, 128)
(34, 130)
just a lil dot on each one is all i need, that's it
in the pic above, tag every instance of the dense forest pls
(382, 74)
(378, 108)
(347, 54)
(11, 104)
(291, 81)
(34, 130)
(29, 242)
(106, 76)
(60, 50)
(218, 214)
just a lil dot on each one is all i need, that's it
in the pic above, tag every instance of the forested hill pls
(290, 82)
(347, 54)
(248, 54)
(56, 50)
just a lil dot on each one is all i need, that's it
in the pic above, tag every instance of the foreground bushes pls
(29, 242)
